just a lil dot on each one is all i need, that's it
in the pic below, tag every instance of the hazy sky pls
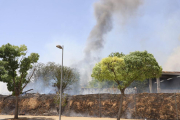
(42, 24)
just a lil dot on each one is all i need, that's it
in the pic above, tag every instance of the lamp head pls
(59, 46)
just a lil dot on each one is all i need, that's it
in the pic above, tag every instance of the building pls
(169, 82)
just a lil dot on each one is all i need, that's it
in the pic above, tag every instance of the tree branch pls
(14, 82)
(115, 77)
(128, 84)
(20, 81)
(29, 79)
(22, 57)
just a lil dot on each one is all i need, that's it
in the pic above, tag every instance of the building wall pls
(167, 86)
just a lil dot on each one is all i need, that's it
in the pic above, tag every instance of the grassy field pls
(10, 117)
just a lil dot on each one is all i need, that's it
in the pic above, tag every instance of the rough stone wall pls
(159, 106)
(30, 105)
(99, 105)
(156, 106)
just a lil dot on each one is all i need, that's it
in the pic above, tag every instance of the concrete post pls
(150, 85)
(158, 85)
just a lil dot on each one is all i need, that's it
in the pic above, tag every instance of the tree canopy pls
(52, 71)
(14, 66)
(127, 68)
(117, 54)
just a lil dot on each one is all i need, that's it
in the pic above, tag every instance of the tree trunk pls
(16, 108)
(120, 107)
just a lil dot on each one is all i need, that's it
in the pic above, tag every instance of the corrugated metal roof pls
(170, 72)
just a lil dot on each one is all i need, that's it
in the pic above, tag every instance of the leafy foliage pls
(52, 71)
(124, 69)
(3, 72)
(117, 54)
(14, 66)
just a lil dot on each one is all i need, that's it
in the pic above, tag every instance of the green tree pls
(125, 69)
(52, 71)
(14, 66)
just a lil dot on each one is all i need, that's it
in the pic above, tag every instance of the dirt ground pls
(10, 117)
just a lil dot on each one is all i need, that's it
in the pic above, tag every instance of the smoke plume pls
(39, 86)
(103, 12)
(173, 61)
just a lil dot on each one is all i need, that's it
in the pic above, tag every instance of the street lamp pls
(60, 47)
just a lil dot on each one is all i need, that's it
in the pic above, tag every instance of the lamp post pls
(60, 47)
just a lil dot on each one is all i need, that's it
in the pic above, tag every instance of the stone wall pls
(34, 104)
(145, 105)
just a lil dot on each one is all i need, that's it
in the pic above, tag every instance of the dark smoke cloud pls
(103, 12)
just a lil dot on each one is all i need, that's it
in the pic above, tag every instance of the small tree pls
(52, 71)
(124, 69)
(14, 66)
